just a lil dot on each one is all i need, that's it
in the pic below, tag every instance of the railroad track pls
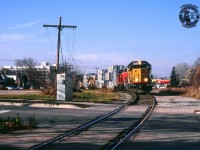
(134, 128)
(114, 142)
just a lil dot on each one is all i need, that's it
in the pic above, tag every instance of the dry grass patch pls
(27, 97)
(192, 92)
(98, 95)
(172, 91)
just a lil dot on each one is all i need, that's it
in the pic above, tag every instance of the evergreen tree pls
(174, 80)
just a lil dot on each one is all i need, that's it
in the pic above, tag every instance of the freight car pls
(137, 75)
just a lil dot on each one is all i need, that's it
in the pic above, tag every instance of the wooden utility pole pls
(60, 27)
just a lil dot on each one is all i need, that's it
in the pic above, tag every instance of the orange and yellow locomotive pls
(137, 74)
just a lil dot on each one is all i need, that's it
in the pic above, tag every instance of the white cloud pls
(108, 58)
(27, 25)
(13, 37)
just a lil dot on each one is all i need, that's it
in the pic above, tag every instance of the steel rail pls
(135, 127)
(81, 128)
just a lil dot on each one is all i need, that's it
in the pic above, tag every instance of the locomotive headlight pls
(145, 79)
(136, 79)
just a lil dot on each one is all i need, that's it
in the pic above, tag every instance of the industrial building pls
(103, 78)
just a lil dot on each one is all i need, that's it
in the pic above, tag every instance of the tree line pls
(32, 76)
(183, 74)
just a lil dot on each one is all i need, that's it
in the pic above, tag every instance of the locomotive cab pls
(139, 73)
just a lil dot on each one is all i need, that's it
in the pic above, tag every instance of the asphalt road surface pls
(51, 121)
(174, 125)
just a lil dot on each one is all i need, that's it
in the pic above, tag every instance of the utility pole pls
(59, 27)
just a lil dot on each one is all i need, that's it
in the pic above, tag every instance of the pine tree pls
(174, 80)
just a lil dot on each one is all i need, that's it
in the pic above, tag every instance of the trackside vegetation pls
(27, 97)
(97, 95)
(17, 123)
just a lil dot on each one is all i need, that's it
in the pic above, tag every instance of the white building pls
(108, 77)
(89, 80)
(100, 78)
(15, 72)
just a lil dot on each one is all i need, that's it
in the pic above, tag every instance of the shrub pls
(16, 123)
(192, 91)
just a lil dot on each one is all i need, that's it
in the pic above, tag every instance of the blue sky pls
(109, 32)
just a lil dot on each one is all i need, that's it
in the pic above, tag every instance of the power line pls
(59, 27)
(70, 45)
(49, 39)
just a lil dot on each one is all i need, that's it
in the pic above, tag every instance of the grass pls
(17, 123)
(98, 95)
(192, 91)
(28, 97)
(172, 91)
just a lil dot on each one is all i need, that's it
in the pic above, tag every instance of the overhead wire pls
(49, 39)
(67, 39)
(70, 42)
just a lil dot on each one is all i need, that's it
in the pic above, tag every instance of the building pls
(17, 72)
(89, 80)
(100, 78)
(108, 77)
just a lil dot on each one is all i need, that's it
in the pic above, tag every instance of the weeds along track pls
(102, 132)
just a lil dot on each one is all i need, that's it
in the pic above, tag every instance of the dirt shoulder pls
(18, 92)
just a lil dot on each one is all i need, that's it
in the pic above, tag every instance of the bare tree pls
(181, 69)
(197, 62)
(29, 73)
(189, 75)
(26, 63)
(193, 74)
(196, 80)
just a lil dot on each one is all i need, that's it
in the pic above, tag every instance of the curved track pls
(82, 127)
(134, 128)
(115, 141)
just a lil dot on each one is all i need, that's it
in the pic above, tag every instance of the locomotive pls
(137, 74)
